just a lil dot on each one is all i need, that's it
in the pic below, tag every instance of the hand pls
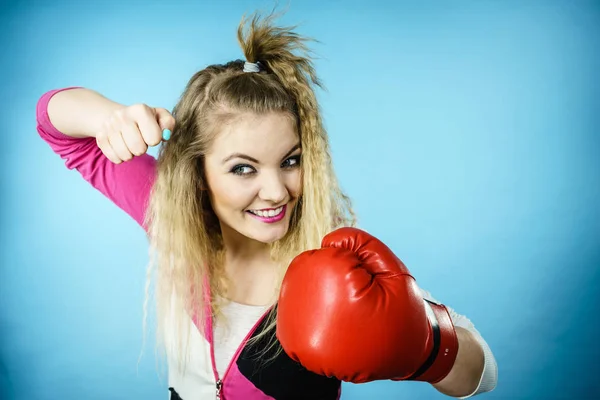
(130, 130)
(353, 311)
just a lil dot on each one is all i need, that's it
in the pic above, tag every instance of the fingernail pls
(166, 134)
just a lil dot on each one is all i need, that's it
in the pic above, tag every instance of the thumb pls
(165, 120)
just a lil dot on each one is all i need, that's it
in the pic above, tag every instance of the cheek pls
(226, 194)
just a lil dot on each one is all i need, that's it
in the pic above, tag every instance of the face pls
(254, 177)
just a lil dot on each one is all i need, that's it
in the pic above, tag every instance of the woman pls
(242, 186)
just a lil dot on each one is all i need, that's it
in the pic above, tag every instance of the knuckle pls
(110, 136)
(110, 156)
(106, 126)
(169, 119)
(139, 150)
(118, 115)
(154, 140)
(140, 109)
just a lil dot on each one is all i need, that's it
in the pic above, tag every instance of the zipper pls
(219, 384)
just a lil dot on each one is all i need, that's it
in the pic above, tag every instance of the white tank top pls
(240, 319)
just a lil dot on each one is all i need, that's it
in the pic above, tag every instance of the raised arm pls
(106, 142)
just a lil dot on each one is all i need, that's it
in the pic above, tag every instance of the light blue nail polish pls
(166, 134)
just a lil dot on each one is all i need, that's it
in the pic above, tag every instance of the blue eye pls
(291, 162)
(242, 169)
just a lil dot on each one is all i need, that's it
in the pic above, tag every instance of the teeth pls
(270, 213)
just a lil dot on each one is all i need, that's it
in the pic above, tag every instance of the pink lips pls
(270, 220)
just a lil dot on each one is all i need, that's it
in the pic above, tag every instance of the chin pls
(269, 237)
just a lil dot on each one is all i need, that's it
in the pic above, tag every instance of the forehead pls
(256, 135)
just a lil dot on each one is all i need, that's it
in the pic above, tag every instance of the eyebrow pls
(254, 160)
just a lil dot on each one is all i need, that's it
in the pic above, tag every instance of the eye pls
(242, 170)
(291, 162)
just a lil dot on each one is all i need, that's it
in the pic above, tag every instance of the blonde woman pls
(264, 290)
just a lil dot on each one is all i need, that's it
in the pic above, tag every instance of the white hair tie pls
(251, 67)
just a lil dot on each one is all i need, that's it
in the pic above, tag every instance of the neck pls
(252, 274)
(241, 250)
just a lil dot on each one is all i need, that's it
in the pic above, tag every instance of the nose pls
(273, 188)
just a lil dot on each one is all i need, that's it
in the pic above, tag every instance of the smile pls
(272, 215)
(268, 213)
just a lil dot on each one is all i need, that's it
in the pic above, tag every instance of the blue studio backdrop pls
(466, 133)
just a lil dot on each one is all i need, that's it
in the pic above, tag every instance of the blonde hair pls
(185, 236)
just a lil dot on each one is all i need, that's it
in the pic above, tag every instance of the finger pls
(166, 121)
(102, 142)
(165, 118)
(133, 139)
(150, 130)
(118, 145)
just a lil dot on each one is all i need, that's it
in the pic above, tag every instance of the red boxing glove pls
(351, 310)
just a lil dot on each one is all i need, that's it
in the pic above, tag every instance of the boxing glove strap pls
(445, 345)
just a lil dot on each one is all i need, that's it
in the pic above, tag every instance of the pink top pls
(128, 185)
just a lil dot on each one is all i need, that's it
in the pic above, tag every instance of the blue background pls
(466, 132)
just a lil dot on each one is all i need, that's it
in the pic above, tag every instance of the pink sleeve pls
(128, 185)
